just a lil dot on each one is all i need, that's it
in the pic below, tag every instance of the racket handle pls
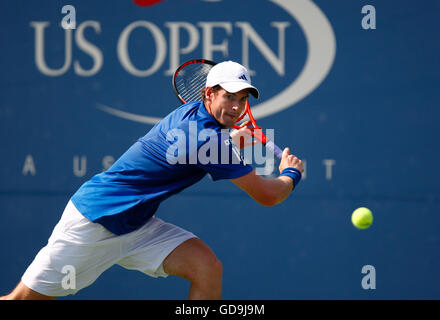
(274, 149)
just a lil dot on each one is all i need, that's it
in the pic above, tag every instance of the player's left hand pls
(243, 137)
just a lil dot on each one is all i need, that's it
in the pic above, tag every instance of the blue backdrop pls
(360, 107)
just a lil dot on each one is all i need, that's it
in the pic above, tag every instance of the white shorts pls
(79, 251)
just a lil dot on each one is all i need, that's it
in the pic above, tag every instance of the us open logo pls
(320, 41)
(170, 42)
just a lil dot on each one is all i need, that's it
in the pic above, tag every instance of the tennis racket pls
(188, 81)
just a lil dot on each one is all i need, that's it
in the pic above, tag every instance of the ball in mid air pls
(362, 218)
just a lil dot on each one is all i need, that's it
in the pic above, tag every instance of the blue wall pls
(371, 117)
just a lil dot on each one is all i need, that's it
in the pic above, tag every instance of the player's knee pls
(11, 296)
(216, 268)
(208, 269)
(194, 261)
(6, 297)
(22, 292)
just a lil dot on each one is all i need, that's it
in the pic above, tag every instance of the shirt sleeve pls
(221, 159)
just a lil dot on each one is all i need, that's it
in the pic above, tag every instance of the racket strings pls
(191, 80)
(195, 86)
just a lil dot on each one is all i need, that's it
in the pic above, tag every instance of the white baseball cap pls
(232, 77)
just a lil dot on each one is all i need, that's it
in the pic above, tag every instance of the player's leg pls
(77, 252)
(22, 292)
(195, 261)
(159, 249)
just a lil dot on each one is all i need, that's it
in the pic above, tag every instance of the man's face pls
(224, 106)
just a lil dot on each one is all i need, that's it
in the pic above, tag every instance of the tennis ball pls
(362, 218)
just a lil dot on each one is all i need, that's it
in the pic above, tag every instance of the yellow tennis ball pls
(362, 218)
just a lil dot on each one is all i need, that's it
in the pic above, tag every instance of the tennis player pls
(111, 218)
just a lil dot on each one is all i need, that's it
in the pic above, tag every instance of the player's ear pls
(208, 92)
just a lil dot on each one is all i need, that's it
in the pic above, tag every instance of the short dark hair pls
(214, 89)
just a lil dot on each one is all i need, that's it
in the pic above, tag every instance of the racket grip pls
(274, 149)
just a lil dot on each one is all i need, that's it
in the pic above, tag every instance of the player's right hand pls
(289, 160)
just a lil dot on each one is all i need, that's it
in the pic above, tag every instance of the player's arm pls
(271, 191)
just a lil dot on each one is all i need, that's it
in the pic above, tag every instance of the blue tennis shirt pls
(176, 153)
